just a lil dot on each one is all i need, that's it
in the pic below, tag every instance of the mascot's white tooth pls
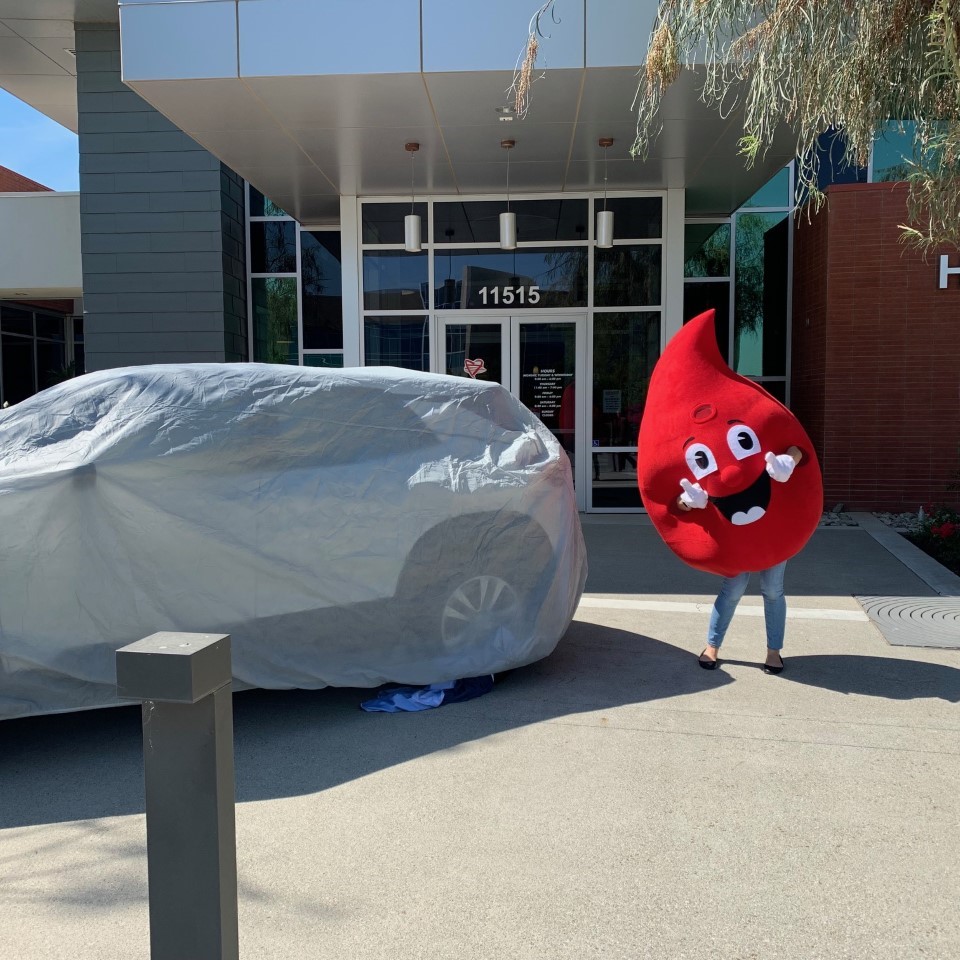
(742, 519)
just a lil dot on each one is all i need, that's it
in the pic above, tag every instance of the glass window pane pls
(893, 151)
(79, 359)
(18, 369)
(474, 350)
(475, 222)
(323, 360)
(394, 280)
(397, 342)
(635, 218)
(627, 276)
(275, 320)
(543, 221)
(383, 222)
(518, 279)
(625, 348)
(50, 327)
(260, 206)
(537, 220)
(774, 193)
(273, 246)
(777, 388)
(615, 480)
(834, 168)
(706, 250)
(760, 294)
(321, 290)
(700, 297)
(547, 364)
(16, 320)
(51, 364)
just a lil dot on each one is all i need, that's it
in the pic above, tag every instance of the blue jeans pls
(774, 606)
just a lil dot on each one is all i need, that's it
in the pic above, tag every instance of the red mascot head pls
(713, 429)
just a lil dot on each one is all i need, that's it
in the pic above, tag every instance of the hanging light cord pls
(605, 178)
(508, 181)
(413, 157)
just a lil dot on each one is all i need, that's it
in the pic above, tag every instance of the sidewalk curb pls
(934, 574)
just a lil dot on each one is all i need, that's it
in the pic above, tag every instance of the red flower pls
(945, 530)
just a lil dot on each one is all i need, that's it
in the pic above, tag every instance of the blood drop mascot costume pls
(719, 438)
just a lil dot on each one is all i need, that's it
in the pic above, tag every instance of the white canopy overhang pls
(307, 122)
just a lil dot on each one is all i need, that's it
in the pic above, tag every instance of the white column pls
(351, 275)
(673, 263)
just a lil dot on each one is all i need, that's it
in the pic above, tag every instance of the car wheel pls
(482, 605)
(478, 580)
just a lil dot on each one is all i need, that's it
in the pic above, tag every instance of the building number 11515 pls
(508, 295)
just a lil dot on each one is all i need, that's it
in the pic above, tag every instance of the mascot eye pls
(700, 460)
(743, 442)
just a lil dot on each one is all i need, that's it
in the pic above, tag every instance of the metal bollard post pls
(183, 680)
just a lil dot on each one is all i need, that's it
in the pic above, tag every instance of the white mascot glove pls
(694, 496)
(780, 467)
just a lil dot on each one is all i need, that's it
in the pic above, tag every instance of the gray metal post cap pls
(173, 667)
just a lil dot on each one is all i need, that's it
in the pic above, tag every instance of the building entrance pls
(539, 360)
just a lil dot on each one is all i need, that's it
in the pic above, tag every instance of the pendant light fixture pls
(605, 216)
(411, 222)
(508, 220)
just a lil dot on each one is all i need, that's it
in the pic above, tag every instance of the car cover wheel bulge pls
(481, 606)
(479, 579)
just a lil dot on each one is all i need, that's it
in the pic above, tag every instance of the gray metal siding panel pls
(198, 159)
(233, 232)
(202, 240)
(95, 243)
(162, 283)
(162, 229)
(114, 163)
(125, 357)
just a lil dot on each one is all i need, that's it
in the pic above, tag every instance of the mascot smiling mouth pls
(748, 505)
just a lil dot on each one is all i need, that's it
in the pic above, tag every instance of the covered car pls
(346, 527)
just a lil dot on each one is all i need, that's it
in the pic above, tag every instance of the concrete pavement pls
(611, 801)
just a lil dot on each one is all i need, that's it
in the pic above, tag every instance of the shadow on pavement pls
(876, 677)
(88, 765)
(82, 766)
(632, 560)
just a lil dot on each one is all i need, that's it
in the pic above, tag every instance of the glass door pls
(547, 361)
(475, 348)
(538, 360)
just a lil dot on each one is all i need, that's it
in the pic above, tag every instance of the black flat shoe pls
(768, 669)
(707, 664)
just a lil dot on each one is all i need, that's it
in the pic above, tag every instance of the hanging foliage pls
(524, 75)
(850, 66)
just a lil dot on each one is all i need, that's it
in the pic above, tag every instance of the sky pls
(36, 146)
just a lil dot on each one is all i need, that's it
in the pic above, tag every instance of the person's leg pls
(731, 590)
(774, 612)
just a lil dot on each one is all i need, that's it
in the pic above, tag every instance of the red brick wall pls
(809, 345)
(11, 182)
(876, 354)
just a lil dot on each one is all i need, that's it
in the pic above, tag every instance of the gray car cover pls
(345, 527)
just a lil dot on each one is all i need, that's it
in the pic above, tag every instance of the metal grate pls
(916, 621)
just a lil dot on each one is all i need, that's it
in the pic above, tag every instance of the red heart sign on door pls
(474, 367)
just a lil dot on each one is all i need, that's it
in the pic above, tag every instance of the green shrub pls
(939, 535)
